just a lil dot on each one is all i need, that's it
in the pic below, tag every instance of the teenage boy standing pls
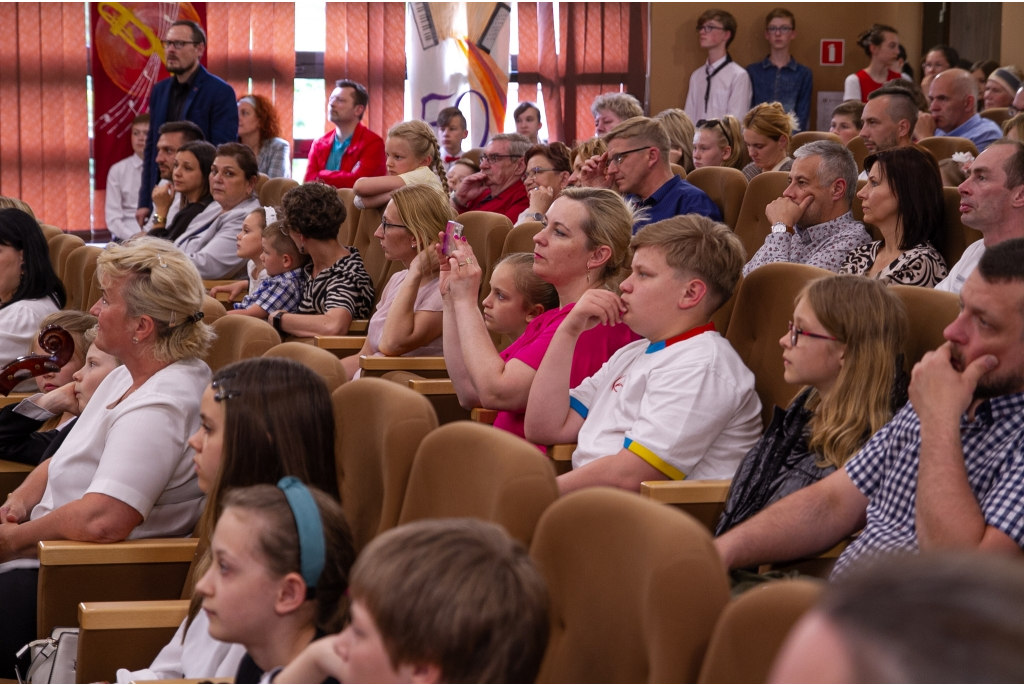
(778, 77)
(720, 86)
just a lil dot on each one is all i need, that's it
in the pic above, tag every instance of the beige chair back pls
(80, 278)
(486, 233)
(520, 238)
(726, 188)
(764, 308)
(996, 114)
(212, 310)
(61, 247)
(271, 192)
(238, 338)
(753, 627)
(49, 231)
(859, 150)
(377, 266)
(635, 589)
(321, 362)
(678, 170)
(943, 147)
(347, 234)
(466, 469)
(752, 225)
(804, 137)
(380, 425)
(929, 311)
(261, 180)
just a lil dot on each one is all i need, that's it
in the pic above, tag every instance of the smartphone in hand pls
(452, 232)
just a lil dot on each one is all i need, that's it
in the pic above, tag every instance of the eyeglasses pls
(491, 159)
(708, 28)
(711, 123)
(222, 392)
(1012, 111)
(795, 333)
(177, 44)
(530, 173)
(780, 30)
(385, 224)
(616, 158)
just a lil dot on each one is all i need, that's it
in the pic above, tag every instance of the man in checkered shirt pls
(948, 471)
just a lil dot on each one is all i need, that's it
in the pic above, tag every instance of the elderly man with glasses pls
(498, 186)
(636, 165)
(191, 93)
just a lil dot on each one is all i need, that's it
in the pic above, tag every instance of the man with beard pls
(812, 223)
(888, 120)
(947, 473)
(190, 93)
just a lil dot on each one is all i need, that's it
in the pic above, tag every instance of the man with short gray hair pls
(498, 186)
(812, 222)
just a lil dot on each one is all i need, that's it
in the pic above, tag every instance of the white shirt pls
(963, 268)
(123, 181)
(19, 326)
(851, 88)
(136, 452)
(731, 92)
(199, 656)
(688, 408)
(255, 276)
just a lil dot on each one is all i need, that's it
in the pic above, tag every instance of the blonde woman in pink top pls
(407, 320)
(584, 245)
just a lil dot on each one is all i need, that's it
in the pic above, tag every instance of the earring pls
(135, 340)
(588, 274)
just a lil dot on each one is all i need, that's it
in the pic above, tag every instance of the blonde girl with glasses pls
(413, 157)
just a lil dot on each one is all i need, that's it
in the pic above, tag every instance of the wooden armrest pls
(562, 452)
(150, 551)
(686, 491)
(481, 415)
(358, 326)
(432, 386)
(431, 367)
(339, 342)
(14, 398)
(166, 613)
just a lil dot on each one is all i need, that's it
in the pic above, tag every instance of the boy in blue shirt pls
(778, 77)
(282, 288)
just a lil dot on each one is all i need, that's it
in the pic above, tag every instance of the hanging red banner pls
(127, 60)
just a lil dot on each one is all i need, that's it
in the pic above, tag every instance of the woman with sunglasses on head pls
(718, 142)
(547, 175)
(844, 346)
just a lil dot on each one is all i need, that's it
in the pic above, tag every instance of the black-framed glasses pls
(711, 123)
(530, 173)
(222, 392)
(177, 44)
(385, 224)
(617, 157)
(491, 159)
(795, 333)
(708, 28)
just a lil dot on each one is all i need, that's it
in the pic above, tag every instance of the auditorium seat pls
(721, 317)
(380, 426)
(486, 233)
(49, 231)
(377, 266)
(678, 170)
(520, 238)
(929, 312)
(439, 391)
(261, 180)
(752, 226)
(752, 628)
(61, 247)
(635, 590)
(465, 469)
(804, 137)
(958, 235)
(996, 114)
(347, 234)
(704, 500)
(859, 150)
(321, 362)
(238, 338)
(212, 310)
(83, 290)
(726, 188)
(273, 190)
(13, 474)
(943, 147)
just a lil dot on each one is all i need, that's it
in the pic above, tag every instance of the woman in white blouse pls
(125, 470)
(29, 288)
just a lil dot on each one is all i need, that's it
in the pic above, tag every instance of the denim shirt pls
(790, 85)
(977, 129)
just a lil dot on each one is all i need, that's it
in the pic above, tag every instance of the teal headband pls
(312, 548)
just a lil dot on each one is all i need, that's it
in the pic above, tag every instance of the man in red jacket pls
(498, 186)
(350, 151)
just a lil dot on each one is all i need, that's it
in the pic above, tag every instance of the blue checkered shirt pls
(281, 292)
(885, 470)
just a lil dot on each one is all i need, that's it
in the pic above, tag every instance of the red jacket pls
(363, 157)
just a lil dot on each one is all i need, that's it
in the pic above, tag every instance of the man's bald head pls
(952, 97)
(1018, 101)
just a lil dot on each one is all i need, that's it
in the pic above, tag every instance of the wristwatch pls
(535, 216)
(157, 219)
(779, 227)
(276, 322)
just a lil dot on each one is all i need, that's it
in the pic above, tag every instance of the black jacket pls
(20, 441)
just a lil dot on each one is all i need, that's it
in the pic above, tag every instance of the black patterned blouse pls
(921, 265)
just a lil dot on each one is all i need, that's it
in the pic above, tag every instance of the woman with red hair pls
(259, 128)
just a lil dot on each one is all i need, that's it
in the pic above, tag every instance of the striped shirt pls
(885, 470)
(343, 284)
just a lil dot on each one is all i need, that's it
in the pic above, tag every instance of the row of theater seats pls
(637, 591)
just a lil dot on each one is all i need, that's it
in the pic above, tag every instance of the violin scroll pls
(54, 340)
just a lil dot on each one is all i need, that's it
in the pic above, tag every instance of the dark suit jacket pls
(20, 441)
(211, 106)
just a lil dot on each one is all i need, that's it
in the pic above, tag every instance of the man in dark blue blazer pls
(190, 93)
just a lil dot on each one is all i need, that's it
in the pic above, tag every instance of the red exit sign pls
(832, 52)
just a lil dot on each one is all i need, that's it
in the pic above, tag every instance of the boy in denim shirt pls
(778, 77)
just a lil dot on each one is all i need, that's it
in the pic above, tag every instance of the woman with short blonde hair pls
(128, 470)
(680, 131)
(767, 130)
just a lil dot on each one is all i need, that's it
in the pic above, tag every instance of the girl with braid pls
(413, 158)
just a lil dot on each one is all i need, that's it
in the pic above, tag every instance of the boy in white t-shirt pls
(678, 404)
